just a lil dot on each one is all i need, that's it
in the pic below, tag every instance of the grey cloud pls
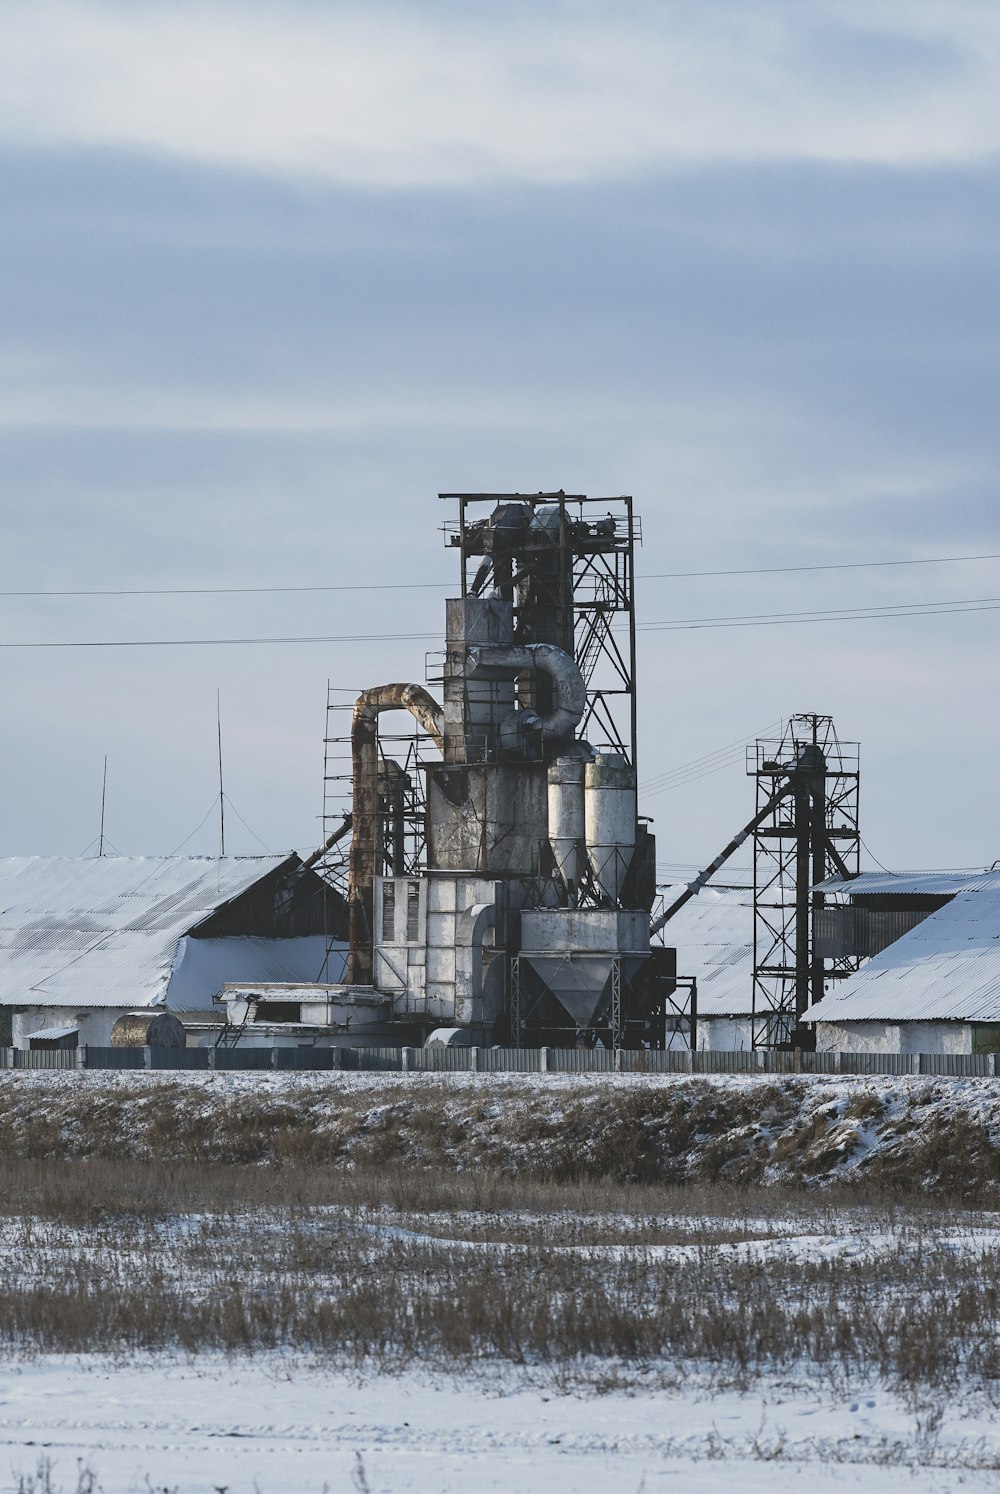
(223, 378)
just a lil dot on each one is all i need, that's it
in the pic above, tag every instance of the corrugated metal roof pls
(104, 931)
(53, 1034)
(946, 969)
(713, 934)
(937, 883)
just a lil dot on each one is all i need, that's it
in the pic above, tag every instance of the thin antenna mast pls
(104, 797)
(222, 797)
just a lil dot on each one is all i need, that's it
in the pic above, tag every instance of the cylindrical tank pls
(567, 821)
(610, 819)
(151, 1029)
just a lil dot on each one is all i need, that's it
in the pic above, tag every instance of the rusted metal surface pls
(148, 1029)
(364, 764)
(344, 828)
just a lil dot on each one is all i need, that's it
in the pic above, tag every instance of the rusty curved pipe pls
(364, 768)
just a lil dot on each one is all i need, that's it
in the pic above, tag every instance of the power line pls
(845, 614)
(206, 591)
(785, 570)
(732, 750)
(230, 591)
(218, 642)
(750, 620)
(666, 788)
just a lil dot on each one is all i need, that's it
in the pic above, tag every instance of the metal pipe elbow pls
(413, 698)
(569, 690)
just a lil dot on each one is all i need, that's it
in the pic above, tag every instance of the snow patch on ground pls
(277, 1425)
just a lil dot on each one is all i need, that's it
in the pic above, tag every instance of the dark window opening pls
(412, 912)
(388, 912)
(278, 1011)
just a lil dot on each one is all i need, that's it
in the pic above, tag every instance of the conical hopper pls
(578, 982)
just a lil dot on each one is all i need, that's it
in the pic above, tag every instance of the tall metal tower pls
(570, 575)
(807, 801)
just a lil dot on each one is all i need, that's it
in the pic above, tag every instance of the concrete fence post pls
(81, 1056)
(407, 1060)
(543, 1060)
(211, 1058)
(147, 1057)
(618, 1060)
(914, 1063)
(474, 1060)
(759, 1059)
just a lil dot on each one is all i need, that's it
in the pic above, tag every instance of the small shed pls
(51, 1039)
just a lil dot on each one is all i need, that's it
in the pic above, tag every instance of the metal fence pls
(505, 1061)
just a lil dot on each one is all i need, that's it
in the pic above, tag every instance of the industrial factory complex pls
(486, 877)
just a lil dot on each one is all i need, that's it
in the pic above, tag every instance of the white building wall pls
(725, 1034)
(893, 1037)
(95, 1025)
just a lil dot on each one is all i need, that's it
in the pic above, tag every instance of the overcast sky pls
(273, 275)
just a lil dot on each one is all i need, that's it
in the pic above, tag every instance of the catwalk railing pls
(505, 1061)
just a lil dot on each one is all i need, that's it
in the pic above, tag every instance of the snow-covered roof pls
(713, 935)
(104, 931)
(938, 883)
(945, 969)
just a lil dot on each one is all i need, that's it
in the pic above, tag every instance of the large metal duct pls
(364, 766)
(569, 691)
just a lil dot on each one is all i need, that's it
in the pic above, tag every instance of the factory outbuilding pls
(932, 982)
(85, 943)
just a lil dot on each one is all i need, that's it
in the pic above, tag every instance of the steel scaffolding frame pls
(588, 584)
(803, 836)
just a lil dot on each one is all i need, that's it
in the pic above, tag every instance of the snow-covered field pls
(939, 1134)
(374, 1283)
(279, 1426)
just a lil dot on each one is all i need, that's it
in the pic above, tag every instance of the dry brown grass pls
(393, 1221)
(386, 1266)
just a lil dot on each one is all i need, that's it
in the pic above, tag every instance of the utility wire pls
(220, 642)
(824, 614)
(872, 855)
(698, 761)
(751, 620)
(667, 788)
(785, 570)
(731, 752)
(248, 827)
(206, 591)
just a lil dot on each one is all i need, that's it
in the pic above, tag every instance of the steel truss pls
(579, 573)
(807, 800)
(401, 822)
